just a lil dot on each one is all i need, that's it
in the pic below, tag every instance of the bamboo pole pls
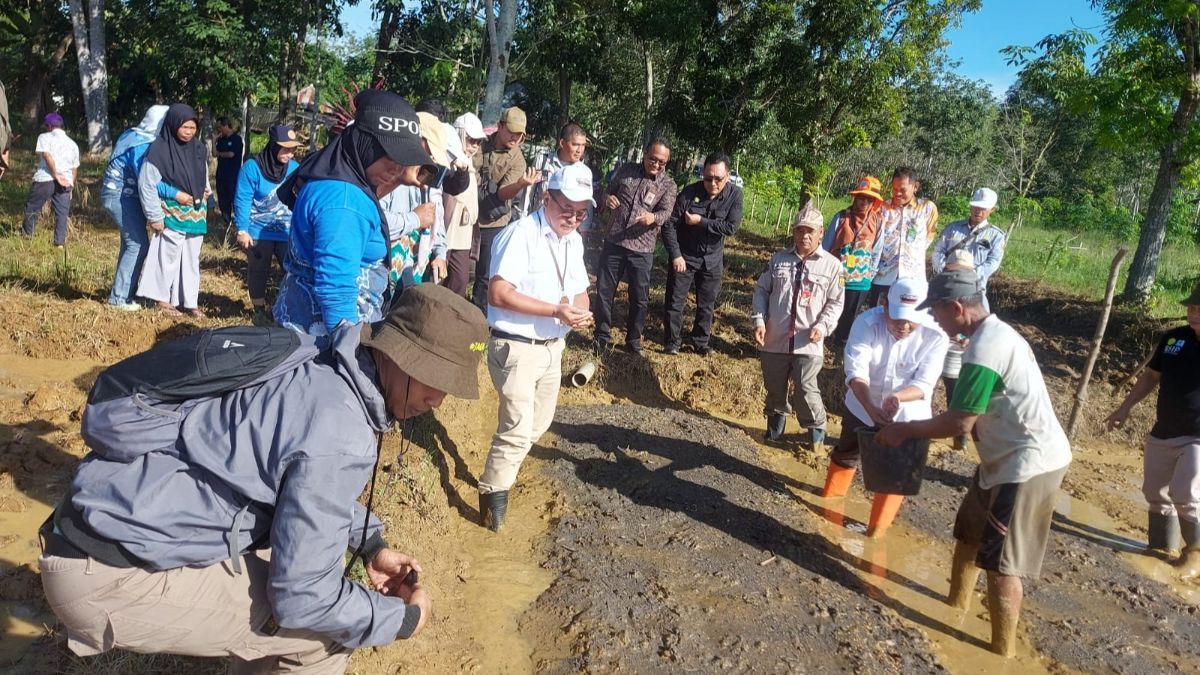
(779, 215)
(1097, 340)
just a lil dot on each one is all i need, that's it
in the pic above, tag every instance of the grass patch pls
(1070, 262)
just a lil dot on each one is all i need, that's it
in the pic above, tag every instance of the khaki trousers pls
(800, 371)
(1172, 477)
(207, 611)
(527, 378)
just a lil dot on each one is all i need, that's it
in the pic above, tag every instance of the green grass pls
(1076, 263)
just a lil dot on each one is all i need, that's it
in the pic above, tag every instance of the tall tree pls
(1149, 74)
(46, 38)
(88, 25)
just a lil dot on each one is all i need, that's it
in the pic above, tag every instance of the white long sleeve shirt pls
(889, 365)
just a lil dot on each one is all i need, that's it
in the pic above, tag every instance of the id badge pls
(649, 198)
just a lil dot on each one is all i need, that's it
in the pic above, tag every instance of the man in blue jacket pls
(230, 537)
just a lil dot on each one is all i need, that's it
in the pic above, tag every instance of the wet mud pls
(686, 545)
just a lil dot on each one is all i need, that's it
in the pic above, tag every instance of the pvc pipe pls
(584, 374)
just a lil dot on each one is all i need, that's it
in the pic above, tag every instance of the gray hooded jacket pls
(281, 463)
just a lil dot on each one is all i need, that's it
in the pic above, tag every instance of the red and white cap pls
(903, 299)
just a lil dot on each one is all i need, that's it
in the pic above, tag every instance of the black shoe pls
(634, 348)
(601, 345)
(259, 316)
(704, 351)
(671, 349)
(775, 425)
(491, 509)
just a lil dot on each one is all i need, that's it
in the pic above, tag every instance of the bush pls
(953, 207)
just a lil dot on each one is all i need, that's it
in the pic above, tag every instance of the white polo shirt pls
(889, 365)
(529, 255)
(62, 149)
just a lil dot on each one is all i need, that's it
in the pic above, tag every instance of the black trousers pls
(876, 294)
(616, 264)
(60, 201)
(705, 274)
(479, 291)
(458, 270)
(854, 300)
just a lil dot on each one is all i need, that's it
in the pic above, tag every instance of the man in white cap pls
(797, 302)
(975, 235)
(537, 293)
(894, 355)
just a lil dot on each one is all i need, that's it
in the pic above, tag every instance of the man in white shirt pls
(537, 293)
(1003, 525)
(54, 178)
(893, 359)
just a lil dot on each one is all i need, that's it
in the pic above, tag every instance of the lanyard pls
(797, 295)
(558, 269)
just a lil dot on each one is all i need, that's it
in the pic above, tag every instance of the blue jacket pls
(985, 243)
(294, 451)
(335, 268)
(256, 209)
(121, 174)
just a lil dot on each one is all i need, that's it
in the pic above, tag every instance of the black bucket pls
(894, 471)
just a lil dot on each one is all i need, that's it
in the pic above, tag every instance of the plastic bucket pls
(895, 471)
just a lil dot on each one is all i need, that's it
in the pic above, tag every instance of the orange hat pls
(869, 186)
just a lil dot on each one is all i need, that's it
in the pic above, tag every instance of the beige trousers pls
(207, 611)
(527, 378)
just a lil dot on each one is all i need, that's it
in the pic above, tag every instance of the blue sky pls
(976, 44)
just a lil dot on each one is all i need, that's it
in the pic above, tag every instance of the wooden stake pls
(779, 215)
(1097, 340)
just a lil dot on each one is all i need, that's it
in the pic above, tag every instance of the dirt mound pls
(681, 551)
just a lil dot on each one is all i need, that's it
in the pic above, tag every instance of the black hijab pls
(182, 165)
(268, 162)
(346, 158)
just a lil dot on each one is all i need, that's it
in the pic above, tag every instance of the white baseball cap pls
(984, 198)
(574, 181)
(470, 123)
(903, 299)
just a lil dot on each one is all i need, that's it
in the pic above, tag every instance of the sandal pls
(197, 313)
(168, 309)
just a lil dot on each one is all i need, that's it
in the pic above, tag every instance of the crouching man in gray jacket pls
(229, 538)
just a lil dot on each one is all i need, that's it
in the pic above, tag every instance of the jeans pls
(59, 198)
(134, 245)
(479, 292)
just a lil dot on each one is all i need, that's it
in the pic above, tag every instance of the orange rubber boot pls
(837, 481)
(883, 512)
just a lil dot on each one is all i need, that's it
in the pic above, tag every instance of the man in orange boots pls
(1003, 525)
(893, 359)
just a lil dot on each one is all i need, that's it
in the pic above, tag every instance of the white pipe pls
(584, 374)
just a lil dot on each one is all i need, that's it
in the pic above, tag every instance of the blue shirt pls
(121, 173)
(256, 208)
(335, 269)
(985, 243)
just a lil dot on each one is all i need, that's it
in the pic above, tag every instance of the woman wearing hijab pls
(335, 269)
(119, 195)
(173, 187)
(262, 220)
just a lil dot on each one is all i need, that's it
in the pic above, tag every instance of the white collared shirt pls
(889, 365)
(525, 254)
(62, 149)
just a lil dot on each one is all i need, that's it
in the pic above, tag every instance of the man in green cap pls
(1171, 463)
(502, 176)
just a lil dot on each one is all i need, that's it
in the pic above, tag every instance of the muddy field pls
(650, 531)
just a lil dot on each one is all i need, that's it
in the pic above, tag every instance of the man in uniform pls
(538, 294)
(797, 302)
(983, 242)
(502, 175)
(705, 214)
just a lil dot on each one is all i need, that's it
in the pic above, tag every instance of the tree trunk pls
(245, 126)
(499, 34)
(1144, 269)
(36, 96)
(387, 29)
(289, 72)
(88, 25)
(649, 84)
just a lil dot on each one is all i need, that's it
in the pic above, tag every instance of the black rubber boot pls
(491, 509)
(1164, 532)
(775, 425)
(1190, 533)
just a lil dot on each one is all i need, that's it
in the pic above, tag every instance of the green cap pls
(953, 284)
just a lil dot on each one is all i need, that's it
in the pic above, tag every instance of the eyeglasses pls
(567, 211)
(655, 161)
